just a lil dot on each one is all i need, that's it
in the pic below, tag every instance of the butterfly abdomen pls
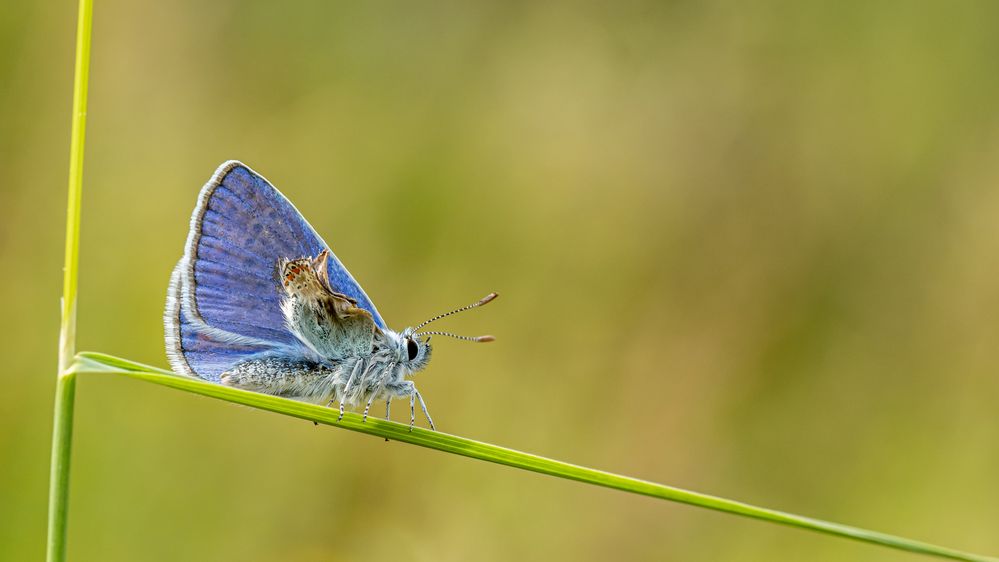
(354, 379)
(284, 377)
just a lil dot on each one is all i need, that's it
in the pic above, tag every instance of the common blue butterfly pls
(259, 302)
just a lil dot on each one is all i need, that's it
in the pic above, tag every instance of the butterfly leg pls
(401, 390)
(378, 392)
(423, 405)
(388, 411)
(371, 401)
(367, 407)
(380, 389)
(412, 409)
(346, 388)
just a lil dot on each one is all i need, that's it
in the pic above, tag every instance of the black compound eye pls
(412, 349)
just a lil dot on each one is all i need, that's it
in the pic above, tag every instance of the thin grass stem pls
(62, 439)
(62, 430)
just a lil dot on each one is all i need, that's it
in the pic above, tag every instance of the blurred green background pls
(750, 249)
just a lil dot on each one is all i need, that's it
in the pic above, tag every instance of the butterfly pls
(260, 302)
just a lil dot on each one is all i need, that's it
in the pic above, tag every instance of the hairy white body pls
(351, 381)
(353, 361)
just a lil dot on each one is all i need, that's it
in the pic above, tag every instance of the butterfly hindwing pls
(225, 294)
(194, 348)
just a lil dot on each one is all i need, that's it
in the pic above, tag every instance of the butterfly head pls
(411, 350)
(412, 346)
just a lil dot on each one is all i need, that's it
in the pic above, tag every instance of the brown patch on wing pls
(307, 279)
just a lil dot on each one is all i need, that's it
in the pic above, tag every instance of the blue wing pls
(196, 349)
(224, 300)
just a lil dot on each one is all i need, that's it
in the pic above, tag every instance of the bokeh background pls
(750, 249)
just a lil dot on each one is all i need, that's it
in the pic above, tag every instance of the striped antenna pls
(480, 339)
(484, 300)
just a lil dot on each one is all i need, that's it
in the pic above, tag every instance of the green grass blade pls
(100, 363)
(62, 430)
(67, 332)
